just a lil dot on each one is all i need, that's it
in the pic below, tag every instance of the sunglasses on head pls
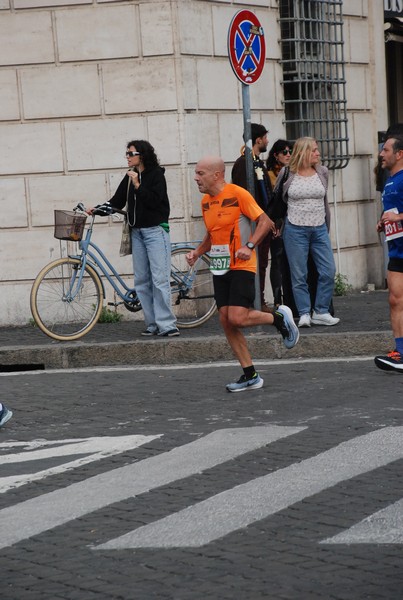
(285, 152)
(131, 153)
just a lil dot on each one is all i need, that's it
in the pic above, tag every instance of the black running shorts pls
(235, 288)
(395, 264)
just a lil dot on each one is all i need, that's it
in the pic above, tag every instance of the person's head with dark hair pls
(279, 154)
(146, 151)
(393, 130)
(257, 131)
(397, 143)
(259, 138)
(391, 154)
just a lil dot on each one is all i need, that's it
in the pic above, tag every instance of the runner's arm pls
(263, 225)
(202, 248)
(391, 216)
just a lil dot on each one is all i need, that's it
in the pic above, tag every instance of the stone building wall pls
(79, 78)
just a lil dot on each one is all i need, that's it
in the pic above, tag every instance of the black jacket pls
(149, 204)
(238, 177)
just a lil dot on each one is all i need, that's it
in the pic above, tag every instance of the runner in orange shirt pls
(228, 211)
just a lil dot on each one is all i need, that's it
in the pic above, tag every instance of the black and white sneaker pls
(148, 333)
(391, 362)
(169, 333)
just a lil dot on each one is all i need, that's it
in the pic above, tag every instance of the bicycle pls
(68, 294)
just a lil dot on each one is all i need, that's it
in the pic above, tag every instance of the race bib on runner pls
(393, 230)
(219, 259)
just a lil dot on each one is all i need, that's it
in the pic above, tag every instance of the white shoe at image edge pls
(325, 319)
(304, 320)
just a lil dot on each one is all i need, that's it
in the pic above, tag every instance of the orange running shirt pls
(228, 217)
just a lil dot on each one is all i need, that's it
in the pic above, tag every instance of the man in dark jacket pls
(262, 193)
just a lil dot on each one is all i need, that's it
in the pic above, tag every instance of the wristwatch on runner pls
(250, 245)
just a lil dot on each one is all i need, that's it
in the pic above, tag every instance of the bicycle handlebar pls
(102, 210)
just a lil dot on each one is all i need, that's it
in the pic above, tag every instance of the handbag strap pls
(127, 193)
(127, 204)
(284, 177)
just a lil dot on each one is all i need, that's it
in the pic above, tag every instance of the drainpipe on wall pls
(336, 220)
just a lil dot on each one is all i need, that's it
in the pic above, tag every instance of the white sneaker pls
(304, 320)
(325, 319)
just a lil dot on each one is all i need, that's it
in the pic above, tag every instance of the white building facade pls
(80, 78)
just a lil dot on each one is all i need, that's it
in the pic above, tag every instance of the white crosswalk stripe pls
(89, 449)
(383, 527)
(61, 506)
(239, 507)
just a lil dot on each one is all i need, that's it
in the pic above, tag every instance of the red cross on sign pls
(246, 46)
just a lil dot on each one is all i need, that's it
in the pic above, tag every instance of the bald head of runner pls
(210, 175)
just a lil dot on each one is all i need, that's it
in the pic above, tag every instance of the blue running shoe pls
(246, 384)
(288, 329)
(5, 414)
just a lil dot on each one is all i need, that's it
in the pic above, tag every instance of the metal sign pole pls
(250, 181)
(248, 139)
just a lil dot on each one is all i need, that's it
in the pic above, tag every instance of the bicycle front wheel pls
(192, 289)
(66, 302)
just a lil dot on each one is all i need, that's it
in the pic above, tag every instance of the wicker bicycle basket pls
(69, 225)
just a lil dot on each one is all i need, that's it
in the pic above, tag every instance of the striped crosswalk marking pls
(61, 506)
(247, 503)
(383, 527)
(87, 450)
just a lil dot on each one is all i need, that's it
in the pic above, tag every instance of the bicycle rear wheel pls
(192, 289)
(64, 307)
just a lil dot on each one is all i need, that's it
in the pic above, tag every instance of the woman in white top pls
(306, 231)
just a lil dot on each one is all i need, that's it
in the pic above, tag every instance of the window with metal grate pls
(314, 76)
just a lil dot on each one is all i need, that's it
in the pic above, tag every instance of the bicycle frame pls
(188, 278)
(100, 263)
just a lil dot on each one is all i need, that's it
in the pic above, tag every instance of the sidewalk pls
(364, 330)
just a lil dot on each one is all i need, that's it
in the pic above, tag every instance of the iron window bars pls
(313, 75)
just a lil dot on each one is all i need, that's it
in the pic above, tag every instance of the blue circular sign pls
(246, 46)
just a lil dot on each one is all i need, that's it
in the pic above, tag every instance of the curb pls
(189, 351)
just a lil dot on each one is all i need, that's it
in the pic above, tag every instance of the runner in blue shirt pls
(392, 224)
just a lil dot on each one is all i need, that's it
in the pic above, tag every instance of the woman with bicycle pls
(144, 190)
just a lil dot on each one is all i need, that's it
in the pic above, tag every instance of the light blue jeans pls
(298, 242)
(152, 267)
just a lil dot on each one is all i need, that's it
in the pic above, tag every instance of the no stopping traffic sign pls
(246, 46)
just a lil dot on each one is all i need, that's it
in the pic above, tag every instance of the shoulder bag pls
(126, 241)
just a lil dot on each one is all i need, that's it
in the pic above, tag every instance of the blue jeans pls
(298, 241)
(152, 267)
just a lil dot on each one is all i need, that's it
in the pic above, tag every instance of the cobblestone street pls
(204, 493)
